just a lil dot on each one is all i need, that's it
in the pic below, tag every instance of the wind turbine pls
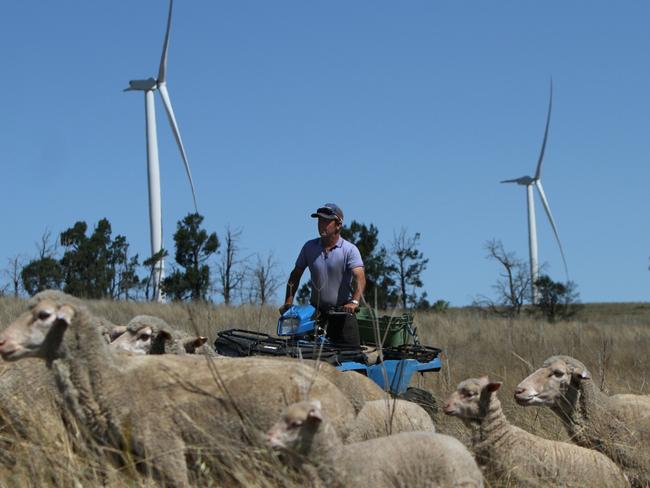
(536, 181)
(148, 86)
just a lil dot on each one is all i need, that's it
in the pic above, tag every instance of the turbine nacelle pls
(142, 85)
(524, 180)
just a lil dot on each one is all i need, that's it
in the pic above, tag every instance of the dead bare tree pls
(12, 272)
(45, 247)
(409, 263)
(512, 287)
(230, 271)
(264, 280)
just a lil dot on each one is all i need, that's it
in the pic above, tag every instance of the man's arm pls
(292, 288)
(359, 277)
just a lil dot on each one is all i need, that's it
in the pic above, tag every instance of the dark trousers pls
(343, 330)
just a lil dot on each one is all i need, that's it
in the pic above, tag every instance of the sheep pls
(617, 425)
(29, 412)
(307, 441)
(357, 387)
(185, 409)
(389, 416)
(519, 457)
(147, 334)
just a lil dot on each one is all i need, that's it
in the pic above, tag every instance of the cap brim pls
(324, 216)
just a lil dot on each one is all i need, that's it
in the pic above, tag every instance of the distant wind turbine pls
(529, 183)
(148, 86)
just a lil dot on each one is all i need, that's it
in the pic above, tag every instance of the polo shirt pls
(331, 271)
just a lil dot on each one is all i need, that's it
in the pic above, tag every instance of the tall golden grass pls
(613, 340)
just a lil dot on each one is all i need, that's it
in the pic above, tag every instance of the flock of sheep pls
(338, 428)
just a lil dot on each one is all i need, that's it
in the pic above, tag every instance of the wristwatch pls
(356, 302)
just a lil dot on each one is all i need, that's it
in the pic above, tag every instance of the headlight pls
(289, 326)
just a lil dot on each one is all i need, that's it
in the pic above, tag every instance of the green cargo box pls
(392, 330)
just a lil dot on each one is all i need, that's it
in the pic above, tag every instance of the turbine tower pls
(536, 182)
(148, 86)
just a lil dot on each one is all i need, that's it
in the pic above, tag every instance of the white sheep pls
(153, 409)
(147, 334)
(519, 457)
(29, 413)
(380, 418)
(307, 441)
(617, 425)
(357, 387)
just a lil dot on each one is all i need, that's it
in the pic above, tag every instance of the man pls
(333, 264)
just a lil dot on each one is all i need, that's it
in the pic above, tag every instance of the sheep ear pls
(583, 374)
(494, 386)
(164, 335)
(315, 411)
(65, 314)
(116, 332)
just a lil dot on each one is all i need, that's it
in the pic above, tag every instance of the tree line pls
(93, 263)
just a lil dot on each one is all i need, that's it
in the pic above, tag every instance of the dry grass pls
(611, 339)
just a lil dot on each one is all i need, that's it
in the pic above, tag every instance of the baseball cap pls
(329, 211)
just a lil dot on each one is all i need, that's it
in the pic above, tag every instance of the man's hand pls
(284, 308)
(350, 307)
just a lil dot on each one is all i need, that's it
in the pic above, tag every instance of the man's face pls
(327, 227)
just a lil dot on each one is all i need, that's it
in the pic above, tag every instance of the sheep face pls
(134, 341)
(296, 427)
(28, 335)
(553, 383)
(471, 398)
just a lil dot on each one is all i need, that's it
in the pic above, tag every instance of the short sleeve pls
(301, 262)
(354, 258)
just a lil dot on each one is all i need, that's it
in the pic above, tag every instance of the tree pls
(44, 271)
(557, 301)
(409, 263)
(231, 275)
(513, 285)
(380, 286)
(194, 247)
(96, 266)
(304, 292)
(13, 271)
(123, 270)
(264, 280)
(41, 274)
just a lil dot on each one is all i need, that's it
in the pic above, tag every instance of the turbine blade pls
(538, 172)
(540, 188)
(164, 94)
(162, 70)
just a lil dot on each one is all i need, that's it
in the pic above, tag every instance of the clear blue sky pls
(406, 114)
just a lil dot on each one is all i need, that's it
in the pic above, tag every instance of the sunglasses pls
(328, 211)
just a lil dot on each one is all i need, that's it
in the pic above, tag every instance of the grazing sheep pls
(357, 387)
(306, 440)
(165, 413)
(29, 412)
(380, 418)
(147, 334)
(519, 457)
(617, 425)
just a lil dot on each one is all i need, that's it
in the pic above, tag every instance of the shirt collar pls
(339, 243)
